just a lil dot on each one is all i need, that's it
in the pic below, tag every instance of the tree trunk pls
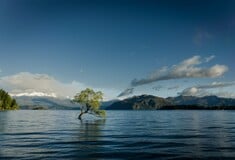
(80, 116)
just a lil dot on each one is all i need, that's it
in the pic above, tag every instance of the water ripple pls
(123, 135)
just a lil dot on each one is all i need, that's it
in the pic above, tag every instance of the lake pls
(48, 134)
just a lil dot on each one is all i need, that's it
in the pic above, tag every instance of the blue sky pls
(107, 44)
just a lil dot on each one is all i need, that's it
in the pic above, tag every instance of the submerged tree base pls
(98, 113)
(80, 116)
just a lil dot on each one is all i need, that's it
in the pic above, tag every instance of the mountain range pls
(48, 102)
(45, 102)
(146, 102)
(142, 102)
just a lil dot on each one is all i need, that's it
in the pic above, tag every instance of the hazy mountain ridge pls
(32, 102)
(146, 102)
(207, 101)
(142, 102)
(53, 103)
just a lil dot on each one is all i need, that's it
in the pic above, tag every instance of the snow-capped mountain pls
(45, 101)
(34, 94)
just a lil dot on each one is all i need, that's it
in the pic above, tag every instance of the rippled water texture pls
(123, 135)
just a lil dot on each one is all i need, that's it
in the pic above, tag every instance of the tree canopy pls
(7, 102)
(90, 102)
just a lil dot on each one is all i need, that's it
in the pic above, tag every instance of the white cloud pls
(173, 87)
(29, 84)
(126, 92)
(39, 94)
(193, 91)
(204, 90)
(158, 87)
(189, 68)
(208, 59)
(186, 69)
(216, 85)
(226, 94)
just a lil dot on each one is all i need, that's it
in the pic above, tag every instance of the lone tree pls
(90, 102)
(6, 102)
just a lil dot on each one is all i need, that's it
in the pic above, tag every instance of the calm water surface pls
(123, 135)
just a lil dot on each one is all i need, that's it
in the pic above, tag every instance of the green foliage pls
(100, 113)
(6, 102)
(90, 102)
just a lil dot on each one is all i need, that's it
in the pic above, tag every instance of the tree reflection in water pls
(90, 139)
(3, 117)
(91, 130)
(3, 123)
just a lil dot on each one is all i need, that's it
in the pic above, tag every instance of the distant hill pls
(207, 101)
(146, 102)
(40, 102)
(35, 102)
(142, 102)
(139, 102)
(106, 104)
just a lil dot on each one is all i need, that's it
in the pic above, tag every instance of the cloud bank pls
(187, 69)
(28, 84)
(173, 87)
(128, 91)
(158, 87)
(208, 59)
(203, 90)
